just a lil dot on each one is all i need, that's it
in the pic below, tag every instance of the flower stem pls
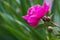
(55, 24)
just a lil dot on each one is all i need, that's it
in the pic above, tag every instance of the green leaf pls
(56, 12)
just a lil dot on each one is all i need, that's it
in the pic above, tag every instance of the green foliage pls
(13, 27)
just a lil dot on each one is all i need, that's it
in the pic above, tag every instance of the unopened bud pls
(50, 28)
(46, 18)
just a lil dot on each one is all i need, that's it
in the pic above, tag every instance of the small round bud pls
(46, 18)
(50, 28)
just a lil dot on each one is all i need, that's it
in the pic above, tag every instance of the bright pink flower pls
(35, 13)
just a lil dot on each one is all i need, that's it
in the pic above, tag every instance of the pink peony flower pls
(35, 13)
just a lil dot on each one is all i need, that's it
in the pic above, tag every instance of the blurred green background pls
(14, 27)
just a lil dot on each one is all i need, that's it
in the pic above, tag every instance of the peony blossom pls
(35, 13)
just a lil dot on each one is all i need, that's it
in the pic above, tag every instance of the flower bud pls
(46, 18)
(50, 28)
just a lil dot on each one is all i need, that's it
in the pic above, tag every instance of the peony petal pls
(46, 7)
(33, 20)
(33, 24)
(25, 17)
(32, 10)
